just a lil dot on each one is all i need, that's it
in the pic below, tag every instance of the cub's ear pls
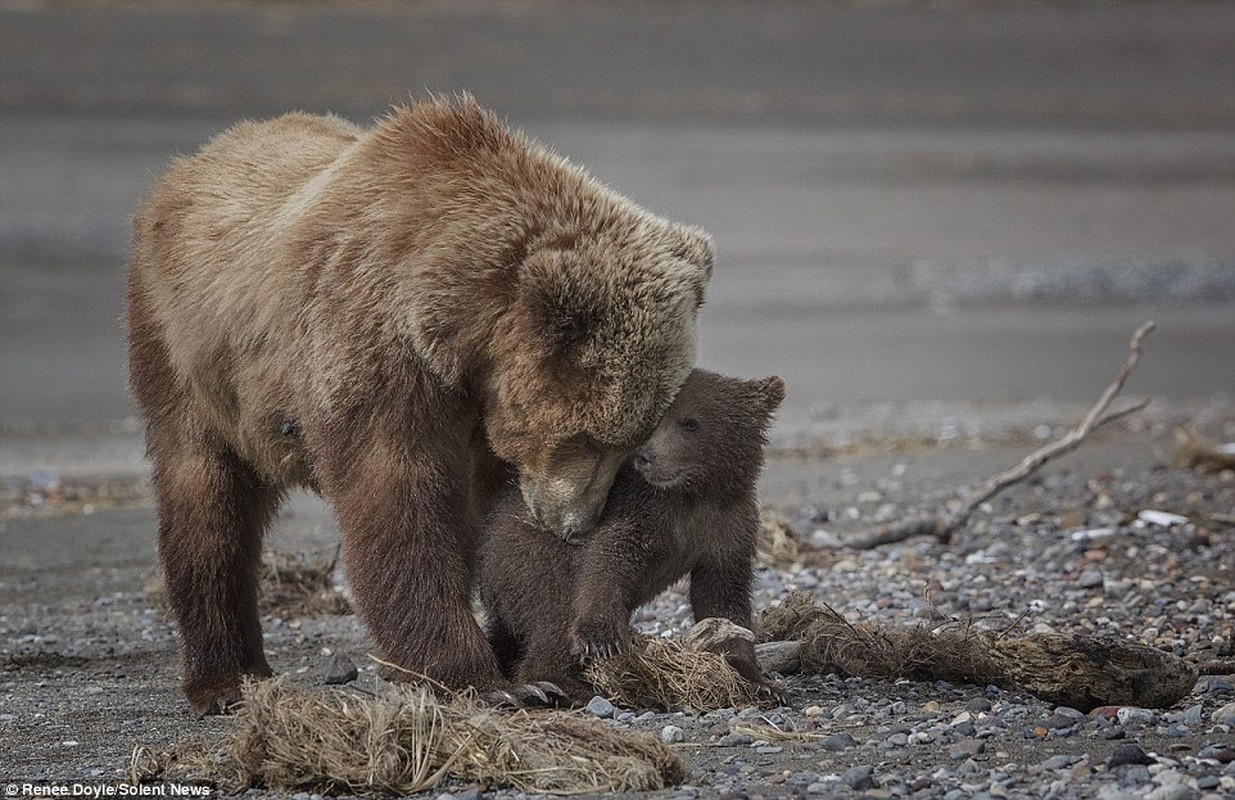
(771, 391)
(694, 246)
(560, 312)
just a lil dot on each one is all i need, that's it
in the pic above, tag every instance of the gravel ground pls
(89, 666)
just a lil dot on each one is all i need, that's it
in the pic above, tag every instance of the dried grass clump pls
(1194, 451)
(652, 672)
(1083, 672)
(292, 585)
(781, 546)
(406, 740)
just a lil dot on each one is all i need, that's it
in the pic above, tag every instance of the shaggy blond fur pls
(394, 316)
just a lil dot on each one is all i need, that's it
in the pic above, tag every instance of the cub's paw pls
(598, 637)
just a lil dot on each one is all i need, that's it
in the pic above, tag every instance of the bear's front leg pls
(407, 547)
(604, 593)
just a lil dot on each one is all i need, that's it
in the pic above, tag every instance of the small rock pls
(671, 734)
(859, 778)
(1224, 715)
(978, 705)
(1174, 791)
(734, 740)
(1062, 761)
(966, 749)
(1090, 579)
(600, 707)
(1220, 753)
(769, 750)
(1131, 715)
(341, 670)
(709, 632)
(837, 742)
(1128, 754)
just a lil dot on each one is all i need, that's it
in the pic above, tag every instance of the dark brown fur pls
(403, 318)
(684, 504)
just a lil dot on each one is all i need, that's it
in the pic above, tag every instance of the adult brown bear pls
(396, 317)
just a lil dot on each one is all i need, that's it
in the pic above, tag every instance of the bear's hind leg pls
(213, 510)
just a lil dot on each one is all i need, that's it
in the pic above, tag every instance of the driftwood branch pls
(942, 527)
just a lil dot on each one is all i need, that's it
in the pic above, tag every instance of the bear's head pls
(595, 343)
(713, 435)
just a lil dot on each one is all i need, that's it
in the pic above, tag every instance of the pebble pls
(1090, 579)
(837, 742)
(1128, 754)
(672, 734)
(341, 670)
(600, 707)
(1224, 715)
(859, 778)
(1131, 715)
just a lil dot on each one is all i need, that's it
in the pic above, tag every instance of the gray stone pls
(837, 742)
(1174, 791)
(341, 670)
(1062, 761)
(1131, 715)
(1224, 715)
(671, 734)
(600, 707)
(859, 778)
(1090, 579)
(1128, 754)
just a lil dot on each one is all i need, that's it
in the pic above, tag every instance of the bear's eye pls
(690, 425)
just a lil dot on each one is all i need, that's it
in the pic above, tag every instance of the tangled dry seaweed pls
(407, 740)
(1083, 672)
(652, 672)
(781, 547)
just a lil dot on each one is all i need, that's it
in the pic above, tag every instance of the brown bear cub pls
(683, 503)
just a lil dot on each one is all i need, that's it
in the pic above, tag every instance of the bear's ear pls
(693, 246)
(561, 312)
(770, 391)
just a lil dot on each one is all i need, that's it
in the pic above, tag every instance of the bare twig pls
(942, 527)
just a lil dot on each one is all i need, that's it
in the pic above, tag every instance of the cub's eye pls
(690, 425)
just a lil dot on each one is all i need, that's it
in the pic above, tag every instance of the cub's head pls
(713, 435)
(598, 337)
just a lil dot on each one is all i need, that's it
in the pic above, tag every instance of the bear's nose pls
(644, 457)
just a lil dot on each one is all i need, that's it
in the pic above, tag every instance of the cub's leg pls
(212, 512)
(721, 588)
